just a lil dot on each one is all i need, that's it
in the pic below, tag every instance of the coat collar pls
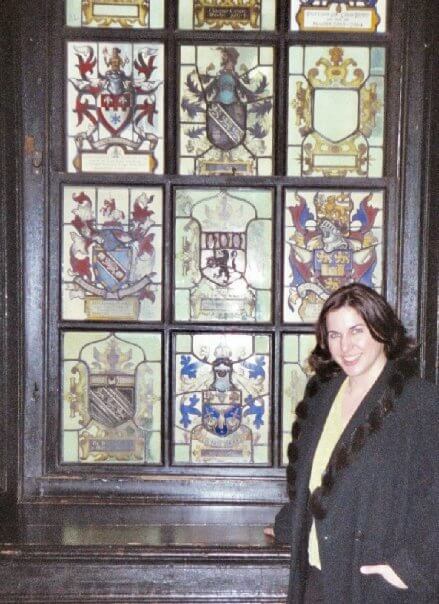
(366, 420)
(367, 404)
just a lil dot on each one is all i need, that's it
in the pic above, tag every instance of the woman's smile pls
(352, 346)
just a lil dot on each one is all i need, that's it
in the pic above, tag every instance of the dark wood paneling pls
(10, 217)
(414, 112)
(430, 219)
(190, 579)
(34, 48)
(141, 554)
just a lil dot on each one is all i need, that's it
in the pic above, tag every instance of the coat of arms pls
(235, 104)
(115, 101)
(222, 404)
(112, 256)
(112, 397)
(222, 245)
(329, 249)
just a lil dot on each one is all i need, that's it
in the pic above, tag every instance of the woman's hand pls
(386, 572)
(269, 532)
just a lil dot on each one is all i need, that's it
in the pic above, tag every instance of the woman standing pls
(363, 472)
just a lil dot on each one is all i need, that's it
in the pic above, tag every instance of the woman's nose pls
(345, 343)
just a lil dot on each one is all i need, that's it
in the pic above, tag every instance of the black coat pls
(382, 508)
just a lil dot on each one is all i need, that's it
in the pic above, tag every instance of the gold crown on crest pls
(336, 208)
(337, 71)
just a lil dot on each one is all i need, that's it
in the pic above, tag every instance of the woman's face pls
(351, 344)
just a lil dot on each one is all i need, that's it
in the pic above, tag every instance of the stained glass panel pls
(111, 393)
(128, 14)
(331, 238)
(238, 15)
(336, 111)
(223, 255)
(115, 107)
(339, 15)
(222, 405)
(295, 374)
(226, 115)
(112, 253)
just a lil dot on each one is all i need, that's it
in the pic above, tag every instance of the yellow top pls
(332, 430)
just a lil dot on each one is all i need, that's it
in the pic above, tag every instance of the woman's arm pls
(283, 523)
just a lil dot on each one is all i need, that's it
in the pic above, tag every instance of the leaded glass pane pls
(339, 15)
(112, 253)
(115, 107)
(295, 374)
(222, 404)
(336, 111)
(238, 15)
(128, 14)
(111, 393)
(226, 116)
(223, 255)
(331, 238)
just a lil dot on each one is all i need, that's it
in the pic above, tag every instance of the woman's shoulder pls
(421, 396)
(320, 390)
(416, 384)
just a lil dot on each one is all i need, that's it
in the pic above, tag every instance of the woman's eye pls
(357, 330)
(333, 336)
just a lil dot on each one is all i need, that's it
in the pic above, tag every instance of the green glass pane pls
(339, 15)
(223, 255)
(125, 14)
(295, 374)
(112, 253)
(237, 15)
(331, 238)
(111, 397)
(336, 111)
(226, 110)
(222, 402)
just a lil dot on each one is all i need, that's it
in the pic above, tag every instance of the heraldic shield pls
(226, 124)
(115, 111)
(111, 262)
(111, 399)
(333, 269)
(221, 412)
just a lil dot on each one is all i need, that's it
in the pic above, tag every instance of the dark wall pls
(430, 316)
(9, 255)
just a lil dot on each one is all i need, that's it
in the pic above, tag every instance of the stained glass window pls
(112, 253)
(238, 15)
(295, 374)
(111, 397)
(331, 238)
(193, 257)
(223, 252)
(226, 110)
(339, 15)
(222, 407)
(127, 14)
(115, 107)
(336, 111)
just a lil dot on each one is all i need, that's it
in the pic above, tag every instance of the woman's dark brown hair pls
(380, 318)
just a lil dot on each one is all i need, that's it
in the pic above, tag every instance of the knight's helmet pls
(222, 403)
(115, 62)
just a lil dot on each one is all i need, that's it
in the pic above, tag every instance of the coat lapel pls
(367, 405)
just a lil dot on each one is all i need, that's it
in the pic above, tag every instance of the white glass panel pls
(339, 15)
